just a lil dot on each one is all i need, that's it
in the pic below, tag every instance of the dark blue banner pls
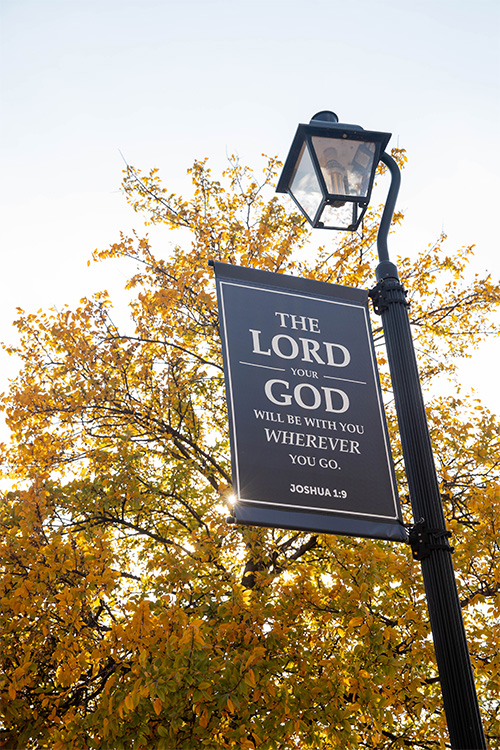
(309, 441)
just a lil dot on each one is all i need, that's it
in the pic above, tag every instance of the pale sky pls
(168, 81)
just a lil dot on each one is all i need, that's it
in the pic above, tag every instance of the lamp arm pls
(387, 269)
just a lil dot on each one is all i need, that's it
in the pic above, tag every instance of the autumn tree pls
(132, 614)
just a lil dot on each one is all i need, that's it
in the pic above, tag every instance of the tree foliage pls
(132, 614)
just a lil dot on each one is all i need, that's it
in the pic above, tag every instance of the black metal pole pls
(429, 537)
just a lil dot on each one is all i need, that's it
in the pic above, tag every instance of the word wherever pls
(308, 440)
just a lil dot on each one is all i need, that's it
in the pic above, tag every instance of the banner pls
(309, 442)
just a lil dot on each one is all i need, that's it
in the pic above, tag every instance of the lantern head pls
(330, 169)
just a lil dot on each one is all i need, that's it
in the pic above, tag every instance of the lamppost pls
(329, 173)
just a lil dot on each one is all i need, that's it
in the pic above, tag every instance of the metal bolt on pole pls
(429, 537)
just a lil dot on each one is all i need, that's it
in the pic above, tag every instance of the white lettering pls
(282, 318)
(256, 343)
(328, 400)
(285, 400)
(328, 463)
(301, 373)
(308, 440)
(299, 322)
(286, 347)
(307, 489)
(294, 347)
(303, 460)
(331, 360)
(314, 323)
(297, 393)
(310, 347)
(312, 400)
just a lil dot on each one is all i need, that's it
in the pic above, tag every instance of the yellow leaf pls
(354, 622)
(129, 701)
(157, 705)
(250, 678)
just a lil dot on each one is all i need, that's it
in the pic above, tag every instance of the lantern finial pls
(325, 116)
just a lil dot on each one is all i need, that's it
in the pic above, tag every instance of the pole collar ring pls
(382, 295)
(424, 540)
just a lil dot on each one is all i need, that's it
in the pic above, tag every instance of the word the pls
(300, 322)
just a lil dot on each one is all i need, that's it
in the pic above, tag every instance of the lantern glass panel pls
(338, 217)
(305, 186)
(346, 164)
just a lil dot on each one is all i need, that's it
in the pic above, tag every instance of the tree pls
(132, 614)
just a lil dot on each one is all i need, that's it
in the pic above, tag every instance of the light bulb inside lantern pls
(335, 175)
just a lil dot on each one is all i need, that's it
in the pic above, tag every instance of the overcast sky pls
(168, 81)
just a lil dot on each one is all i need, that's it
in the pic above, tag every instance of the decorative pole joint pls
(424, 540)
(388, 292)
